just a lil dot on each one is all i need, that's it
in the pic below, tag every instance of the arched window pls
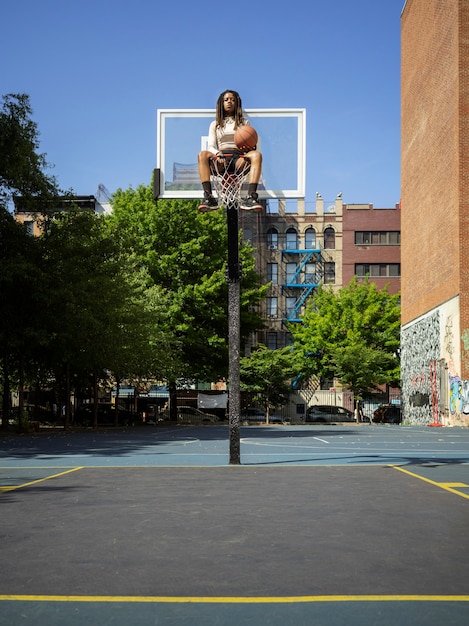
(329, 238)
(272, 239)
(291, 242)
(310, 239)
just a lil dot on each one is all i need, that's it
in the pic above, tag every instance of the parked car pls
(252, 414)
(388, 414)
(327, 414)
(192, 415)
(84, 415)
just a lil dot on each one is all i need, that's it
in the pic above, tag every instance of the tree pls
(20, 299)
(22, 168)
(101, 316)
(21, 173)
(268, 374)
(352, 334)
(185, 256)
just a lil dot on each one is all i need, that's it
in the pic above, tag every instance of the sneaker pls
(209, 203)
(250, 204)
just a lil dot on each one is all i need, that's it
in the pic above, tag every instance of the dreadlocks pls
(220, 111)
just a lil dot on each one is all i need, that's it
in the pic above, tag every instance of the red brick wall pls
(369, 220)
(430, 155)
(463, 29)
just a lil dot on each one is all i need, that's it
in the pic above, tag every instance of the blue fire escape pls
(301, 283)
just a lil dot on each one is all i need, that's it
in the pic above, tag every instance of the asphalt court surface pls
(324, 525)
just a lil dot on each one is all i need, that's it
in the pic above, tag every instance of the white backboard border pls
(274, 146)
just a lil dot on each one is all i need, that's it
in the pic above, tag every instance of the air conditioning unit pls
(272, 247)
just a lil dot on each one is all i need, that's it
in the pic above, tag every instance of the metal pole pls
(234, 278)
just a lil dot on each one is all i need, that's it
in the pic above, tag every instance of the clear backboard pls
(182, 133)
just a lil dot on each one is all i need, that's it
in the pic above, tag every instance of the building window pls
(378, 270)
(272, 341)
(271, 307)
(272, 239)
(288, 339)
(29, 226)
(377, 238)
(292, 239)
(329, 238)
(310, 239)
(290, 303)
(329, 273)
(290, 271)
(310, 274)
(272, 273)
(247, 235)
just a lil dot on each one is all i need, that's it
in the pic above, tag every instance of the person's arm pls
(212, 139)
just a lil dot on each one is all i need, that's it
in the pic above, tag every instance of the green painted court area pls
(318, 525)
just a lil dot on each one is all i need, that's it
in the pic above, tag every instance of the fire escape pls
(304, 271)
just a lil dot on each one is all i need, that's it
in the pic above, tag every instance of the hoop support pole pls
(234, 278)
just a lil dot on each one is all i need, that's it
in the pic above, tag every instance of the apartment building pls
(328, 243)
(34, 220)
(435, 211)
(371, 245)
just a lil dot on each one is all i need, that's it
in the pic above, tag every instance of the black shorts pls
(231, 158)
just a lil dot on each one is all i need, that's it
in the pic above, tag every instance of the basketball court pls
(324, 525)
(330, 525)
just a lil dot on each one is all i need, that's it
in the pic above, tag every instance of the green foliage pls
(141, 292)
(20, 298)
(99, 312)
(21, 166)
(268, 374)
(185, 256)
(352, 334)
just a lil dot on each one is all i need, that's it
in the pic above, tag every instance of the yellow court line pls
(456, 485)
(236, 600)
(39, 480)
(445, 486)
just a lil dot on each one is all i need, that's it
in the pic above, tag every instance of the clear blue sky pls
(97, 71)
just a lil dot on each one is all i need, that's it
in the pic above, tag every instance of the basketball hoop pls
(227, 179)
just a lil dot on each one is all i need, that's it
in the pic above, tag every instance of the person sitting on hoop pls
(229, 115)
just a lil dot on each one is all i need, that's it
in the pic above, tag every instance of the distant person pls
(229, 115)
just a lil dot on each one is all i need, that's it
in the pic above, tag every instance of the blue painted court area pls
(241, 612)
(324, 525)
(207, 446)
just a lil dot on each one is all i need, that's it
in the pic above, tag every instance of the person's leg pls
(256, 166)
(209, 203)
(250, 203)
(204, 168)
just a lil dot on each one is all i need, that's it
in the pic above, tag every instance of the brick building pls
(435, 211)
(34, 221)
(371, 245)
(327, 243)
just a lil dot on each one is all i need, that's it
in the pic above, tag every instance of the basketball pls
(245, 138)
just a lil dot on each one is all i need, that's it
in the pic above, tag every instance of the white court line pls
(369, 449)
(177, 442)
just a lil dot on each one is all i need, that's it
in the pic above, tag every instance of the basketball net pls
(227, 180)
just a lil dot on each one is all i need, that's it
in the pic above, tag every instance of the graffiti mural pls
(458, 395)
(420, 353)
